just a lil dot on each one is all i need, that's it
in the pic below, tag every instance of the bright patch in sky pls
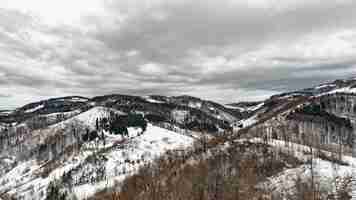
(54, 12)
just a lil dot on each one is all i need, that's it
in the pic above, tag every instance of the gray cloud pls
(222, 50)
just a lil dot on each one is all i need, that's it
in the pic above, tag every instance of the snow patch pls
(149, 99)
(245, 123)
(180, 115)
(34, 109)
(343, 90)
(246, 108)
(325, 86)
(197, 105)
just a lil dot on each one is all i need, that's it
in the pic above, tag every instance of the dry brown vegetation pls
(232, 173)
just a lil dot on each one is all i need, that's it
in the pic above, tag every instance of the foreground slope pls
(244, 169)
(117, 159)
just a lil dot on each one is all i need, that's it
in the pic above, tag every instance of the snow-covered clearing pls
(89, 117)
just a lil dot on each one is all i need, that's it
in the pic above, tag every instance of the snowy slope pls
(343, 90)
(324, 171)
(246, 108)
(151, 100)
(34, 109)
(137, 152)
(83, 120)
(123, 156)
(88, 118)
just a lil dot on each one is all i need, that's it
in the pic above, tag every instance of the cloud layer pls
(222, 50)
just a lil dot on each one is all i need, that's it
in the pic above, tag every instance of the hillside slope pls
(94, 166)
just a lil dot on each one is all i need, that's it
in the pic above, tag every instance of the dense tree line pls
(162, 112)
(317, 111)
(118, 124)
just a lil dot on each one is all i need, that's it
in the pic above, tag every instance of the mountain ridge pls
(46, 140)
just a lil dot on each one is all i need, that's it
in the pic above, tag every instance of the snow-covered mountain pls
(157, 108)
(47, 154)
(83, 146)
(45, 141)
(328, 109)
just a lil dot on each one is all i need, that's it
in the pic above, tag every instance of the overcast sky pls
(223, 50)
